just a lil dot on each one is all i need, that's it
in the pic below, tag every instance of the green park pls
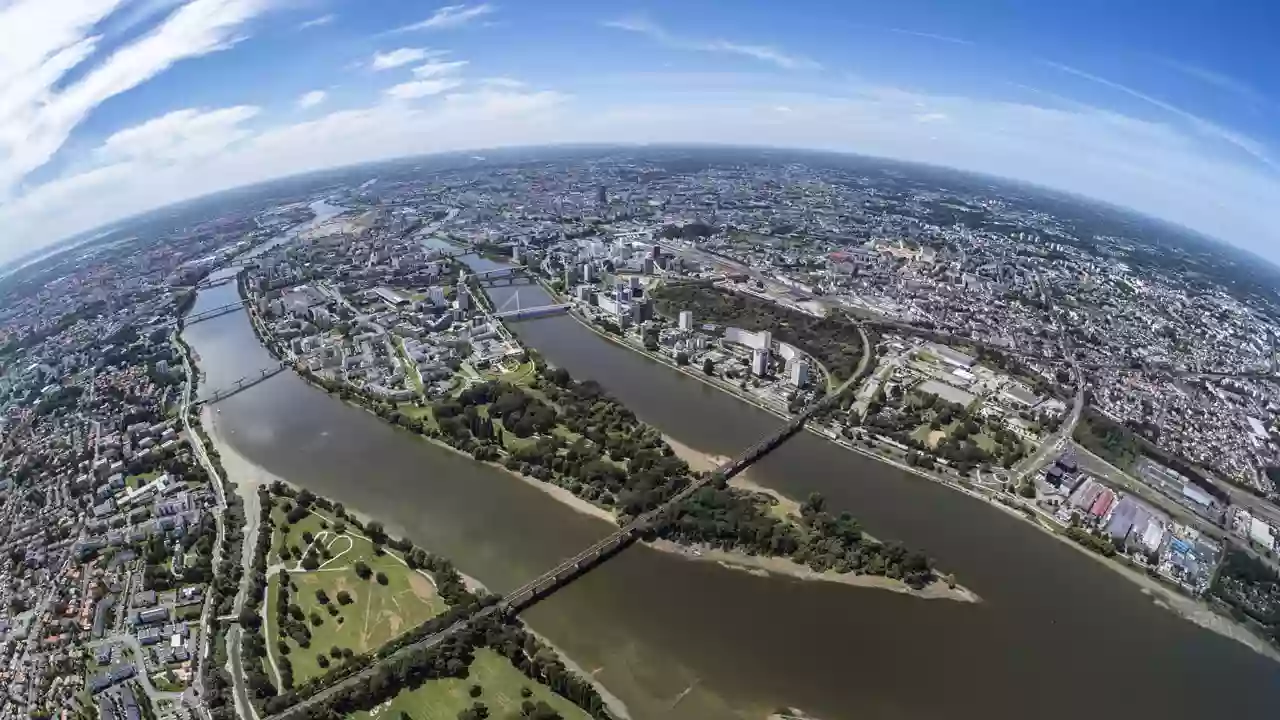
(334, 592)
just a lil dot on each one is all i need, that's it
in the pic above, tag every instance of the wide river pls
(1057, 636)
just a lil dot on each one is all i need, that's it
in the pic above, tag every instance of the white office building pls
(759, 362)
(686, 320)
(799, 373)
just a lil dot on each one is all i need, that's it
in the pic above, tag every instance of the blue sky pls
(112, 107)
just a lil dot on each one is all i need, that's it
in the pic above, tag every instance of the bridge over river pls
(244, 383)
(599, 552)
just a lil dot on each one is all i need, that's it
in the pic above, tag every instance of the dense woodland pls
(959, 445)
(833, 340)
(1251, 589)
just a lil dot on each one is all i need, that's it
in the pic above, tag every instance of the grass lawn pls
(985, 441)
(520, 375)
(288, 535)
(921, 433)
(444, 699)
(424, 413)
(133, 482)
(377, 614)
(410, 371)
(188, 612)
(162, 683)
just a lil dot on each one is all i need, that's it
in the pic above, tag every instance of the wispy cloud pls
(451, 16)
(436, 68)
(45, 41)
(503, 82)
(643, 26)
(312, 99)
(422, 88)
(401, 56)
(932, 36)
(1255, 148)
(181, 135)
(1222, 82)
(317, 22)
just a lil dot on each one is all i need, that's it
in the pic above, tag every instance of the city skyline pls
(112, 108)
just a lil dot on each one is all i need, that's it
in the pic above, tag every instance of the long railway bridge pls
(592, 557)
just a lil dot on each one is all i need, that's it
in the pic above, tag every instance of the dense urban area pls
(1107, 378)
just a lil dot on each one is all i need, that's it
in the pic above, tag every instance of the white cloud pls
(643, 26)
(178, 136)
(400, 57)
(312, 99)
(451, 16)
(1252, 147)
(436, 68)
(502, 82)
(422, 88)
(41, 42)
(1167, 169)
(317, 22)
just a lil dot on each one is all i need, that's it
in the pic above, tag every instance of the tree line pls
(833, 340)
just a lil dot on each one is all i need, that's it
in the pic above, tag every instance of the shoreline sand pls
(765, 565)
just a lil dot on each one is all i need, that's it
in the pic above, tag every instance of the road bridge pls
(244, 383)
(192, 319)
(211, 283)
(518, 312)
(502, 276)
(592, 557)
(532, 312)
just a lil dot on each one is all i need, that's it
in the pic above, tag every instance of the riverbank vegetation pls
(335, 592)
(1250, 589)
(833, 340)
(573, 435)
(933, 426)
(401, 663)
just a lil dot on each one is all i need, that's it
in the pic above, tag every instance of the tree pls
(362, 569)
(382, 578)
(475, 691)
(322, 596)
(344, 597)
(708, 367)
(682, 358)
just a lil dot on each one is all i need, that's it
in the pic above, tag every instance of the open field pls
(500, 684)
(375, 612)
